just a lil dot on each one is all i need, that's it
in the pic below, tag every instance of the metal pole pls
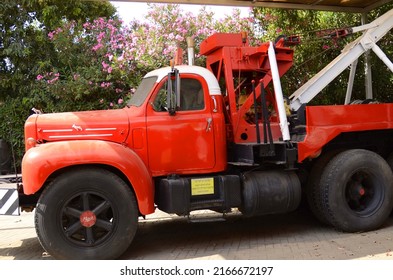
(350, 82)
(367, 67)
(190, 53)
(256, 113)
(278, 93)
(383, 57)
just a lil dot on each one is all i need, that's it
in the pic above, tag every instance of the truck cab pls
(190, 139)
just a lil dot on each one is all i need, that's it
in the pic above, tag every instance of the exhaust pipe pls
(190, 48)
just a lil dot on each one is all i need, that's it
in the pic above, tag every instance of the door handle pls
(209, 124)
(215, 104)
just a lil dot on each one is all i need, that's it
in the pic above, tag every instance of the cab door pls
(183, 142)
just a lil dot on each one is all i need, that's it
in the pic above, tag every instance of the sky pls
(129, 11)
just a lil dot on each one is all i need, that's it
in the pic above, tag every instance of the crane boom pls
(373, 32)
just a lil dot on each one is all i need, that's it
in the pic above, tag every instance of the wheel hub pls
(88, 219)
(356, 190)
(362, 191)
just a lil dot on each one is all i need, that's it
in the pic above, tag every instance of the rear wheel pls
(389, 160)
(86, 214)
(313, 189)
(356, 191)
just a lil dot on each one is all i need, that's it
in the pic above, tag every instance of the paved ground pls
(295, 236)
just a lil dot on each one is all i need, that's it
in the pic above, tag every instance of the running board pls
(201, 218)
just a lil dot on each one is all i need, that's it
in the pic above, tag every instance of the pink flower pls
(97, 47)
(40, 77)
(105, 85)
(53, 80)
(100, 36)
(110, 70)
(104, 65)
(120, 101)
(51, 34)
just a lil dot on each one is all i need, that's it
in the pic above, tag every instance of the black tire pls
(89, 213)
(313, 189)
(389, 160)
(357, 191)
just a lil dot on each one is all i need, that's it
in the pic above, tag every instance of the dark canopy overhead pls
(359, 6)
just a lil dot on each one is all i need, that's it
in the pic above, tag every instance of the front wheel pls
(356, 191)
(88, 213)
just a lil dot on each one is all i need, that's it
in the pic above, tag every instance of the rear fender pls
(40, 162)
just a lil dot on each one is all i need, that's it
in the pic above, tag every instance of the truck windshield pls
(143, 90)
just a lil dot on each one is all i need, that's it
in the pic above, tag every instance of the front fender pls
(42, 161)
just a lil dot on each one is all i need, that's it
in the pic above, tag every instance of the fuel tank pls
(270, 192)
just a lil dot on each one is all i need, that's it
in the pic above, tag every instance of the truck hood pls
(108, 125)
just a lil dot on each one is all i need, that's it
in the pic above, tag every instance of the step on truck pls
(219, 137)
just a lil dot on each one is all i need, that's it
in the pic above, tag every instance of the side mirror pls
(173, 91)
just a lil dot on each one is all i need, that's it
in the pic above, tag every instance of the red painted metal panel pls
(186, 143)
(109, 125)
(324, 123)
(42, 161)
(241, 64)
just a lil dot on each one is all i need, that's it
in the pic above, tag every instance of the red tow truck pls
(218, 138)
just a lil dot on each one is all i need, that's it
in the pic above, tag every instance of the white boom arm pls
(373, 32)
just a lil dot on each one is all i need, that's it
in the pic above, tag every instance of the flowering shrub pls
(84, 74)
(100, 63)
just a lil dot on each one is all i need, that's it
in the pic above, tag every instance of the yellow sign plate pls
(202, 186)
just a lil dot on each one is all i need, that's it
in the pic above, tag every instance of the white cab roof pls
(212, 83)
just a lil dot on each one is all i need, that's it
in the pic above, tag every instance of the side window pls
(191, 96)
(159, 104)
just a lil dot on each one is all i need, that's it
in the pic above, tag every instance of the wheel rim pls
(87, 219)
(363, 193)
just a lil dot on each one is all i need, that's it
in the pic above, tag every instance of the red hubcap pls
(88, 219)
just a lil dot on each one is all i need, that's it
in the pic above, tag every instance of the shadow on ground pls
(291, 236)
